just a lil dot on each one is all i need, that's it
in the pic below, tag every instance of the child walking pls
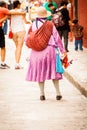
(78, 34)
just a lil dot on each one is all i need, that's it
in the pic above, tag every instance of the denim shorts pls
(2, 38)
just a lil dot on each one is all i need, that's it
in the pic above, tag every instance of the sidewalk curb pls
(80, 86)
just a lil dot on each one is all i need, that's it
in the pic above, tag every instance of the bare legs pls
(18, 52)
(3, 54)
(18, 40)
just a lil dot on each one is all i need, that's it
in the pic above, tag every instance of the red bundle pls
(66, 62)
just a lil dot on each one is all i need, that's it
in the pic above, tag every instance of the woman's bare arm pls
(25, 20)
(3, 19)
(11, 12)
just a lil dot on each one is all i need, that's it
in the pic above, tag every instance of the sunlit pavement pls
(77, 71)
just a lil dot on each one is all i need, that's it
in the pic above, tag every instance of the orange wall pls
(82, 16)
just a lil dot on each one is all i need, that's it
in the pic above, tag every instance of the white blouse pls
(17, 22)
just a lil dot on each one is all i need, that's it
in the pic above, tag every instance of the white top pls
(17, 22)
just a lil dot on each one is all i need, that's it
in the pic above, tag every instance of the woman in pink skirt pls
(42, 64)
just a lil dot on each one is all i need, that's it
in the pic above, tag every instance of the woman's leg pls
(80, 44)
(65, 35)
(3, 54)
(18, 39)
(76, 45)
(18, 52)
(56, 85)
(42, 94)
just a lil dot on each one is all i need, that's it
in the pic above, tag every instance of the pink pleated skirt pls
(42, 65)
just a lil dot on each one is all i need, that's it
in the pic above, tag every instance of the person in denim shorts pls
(3, 16)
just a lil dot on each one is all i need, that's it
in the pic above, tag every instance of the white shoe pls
(18, 67)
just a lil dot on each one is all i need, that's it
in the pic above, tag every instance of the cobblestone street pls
(21, 109)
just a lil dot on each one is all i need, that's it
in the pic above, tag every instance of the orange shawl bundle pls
(38, 40)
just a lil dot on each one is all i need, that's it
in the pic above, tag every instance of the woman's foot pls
(42, 97)
(58, 97)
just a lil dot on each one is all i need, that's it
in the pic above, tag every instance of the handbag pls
(59, 67)
(10, 34)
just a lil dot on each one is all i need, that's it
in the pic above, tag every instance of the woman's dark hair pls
(16, 3)
(2, 4)
(63, 3)
(49, 5)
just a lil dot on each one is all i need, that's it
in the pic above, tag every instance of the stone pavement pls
(20, 107)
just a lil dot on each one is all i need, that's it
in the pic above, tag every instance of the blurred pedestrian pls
(4, 14)
(77, 30)
(65, 29)
(70, 9)
(5, 24)
(3, 17)
(18, 30)
(42, 64)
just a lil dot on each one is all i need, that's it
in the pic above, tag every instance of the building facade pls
(82, 17)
